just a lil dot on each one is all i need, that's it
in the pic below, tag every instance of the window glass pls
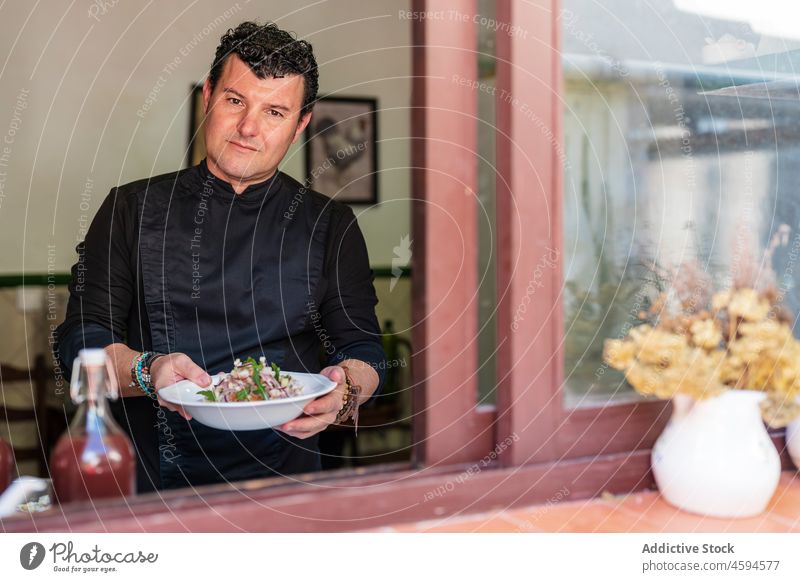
(680, 140)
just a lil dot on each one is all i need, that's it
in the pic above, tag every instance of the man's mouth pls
(242, 146)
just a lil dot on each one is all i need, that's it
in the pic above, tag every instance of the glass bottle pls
(6, 465)
(94, 458)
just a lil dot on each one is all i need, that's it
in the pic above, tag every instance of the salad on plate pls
(252, 380)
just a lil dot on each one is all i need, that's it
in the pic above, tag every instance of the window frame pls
(455, 438)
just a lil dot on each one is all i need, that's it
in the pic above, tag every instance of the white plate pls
(246, 415)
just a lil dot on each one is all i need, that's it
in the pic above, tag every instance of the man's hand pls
(320, 412)
(173, 368)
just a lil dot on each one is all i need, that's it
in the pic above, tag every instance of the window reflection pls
(681, 140)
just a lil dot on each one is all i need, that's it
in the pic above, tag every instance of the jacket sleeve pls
(348, 307)
(103, 282)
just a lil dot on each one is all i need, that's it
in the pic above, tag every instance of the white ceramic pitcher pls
(715, 457)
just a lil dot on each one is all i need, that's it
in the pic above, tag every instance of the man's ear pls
(304, 120)
(206, 95)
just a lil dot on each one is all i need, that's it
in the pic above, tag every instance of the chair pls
(37, 377)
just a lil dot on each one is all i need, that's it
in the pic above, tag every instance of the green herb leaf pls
(209, 394)
(241, 394)
(276, 370)
(258, 383)
(253, 362)
(257, 367)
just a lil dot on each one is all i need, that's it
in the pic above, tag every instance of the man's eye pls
(275, 113)
(234, 101)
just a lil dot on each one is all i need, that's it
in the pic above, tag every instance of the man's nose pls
(248, 125)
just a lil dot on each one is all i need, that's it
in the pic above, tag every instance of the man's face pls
(250, 123)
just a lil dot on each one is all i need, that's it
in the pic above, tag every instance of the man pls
(181, 274)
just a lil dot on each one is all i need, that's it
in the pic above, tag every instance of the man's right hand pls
(166, 370)
(172, 368)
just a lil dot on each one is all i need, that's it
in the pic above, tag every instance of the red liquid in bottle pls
(88, 467)
(93, 459)
(6, 465)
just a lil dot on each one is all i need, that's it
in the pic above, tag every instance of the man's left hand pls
(320, 412)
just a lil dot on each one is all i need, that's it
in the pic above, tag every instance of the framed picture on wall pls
(197, 143)
(341, 149)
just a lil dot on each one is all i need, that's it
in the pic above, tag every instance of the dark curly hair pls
(269, 52)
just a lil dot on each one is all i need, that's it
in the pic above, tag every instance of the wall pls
(75, 118)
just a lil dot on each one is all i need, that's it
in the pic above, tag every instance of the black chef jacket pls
(181, 263)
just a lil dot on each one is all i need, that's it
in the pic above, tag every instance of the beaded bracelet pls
(140, 373)
(349, 407)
